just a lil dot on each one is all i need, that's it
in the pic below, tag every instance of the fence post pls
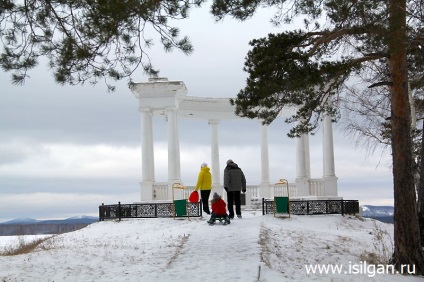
(119, 211)
(100, 212)
(342, 207)
(263, 206)
(307, 207)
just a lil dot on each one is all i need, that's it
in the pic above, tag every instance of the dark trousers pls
(233, 197)
(204, 194)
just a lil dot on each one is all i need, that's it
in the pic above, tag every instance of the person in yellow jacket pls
(204, 183)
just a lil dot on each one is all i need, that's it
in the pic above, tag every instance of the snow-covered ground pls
(255, 248)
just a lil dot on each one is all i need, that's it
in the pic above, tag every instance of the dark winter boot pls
(227, 220)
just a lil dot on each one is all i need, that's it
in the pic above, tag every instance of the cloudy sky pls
(65, 150)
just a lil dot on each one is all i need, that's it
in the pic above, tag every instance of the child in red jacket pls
(218, 209)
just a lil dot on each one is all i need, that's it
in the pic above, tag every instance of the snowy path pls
(231, 251)
(253, 249)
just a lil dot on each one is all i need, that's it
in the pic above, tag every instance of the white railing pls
(253, 191)
(292, 189)
(160, 191)
(316, 187)
(280, 190)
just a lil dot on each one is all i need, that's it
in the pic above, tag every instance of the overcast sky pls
(66, 150)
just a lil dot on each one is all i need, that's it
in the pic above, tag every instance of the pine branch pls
(382, 83)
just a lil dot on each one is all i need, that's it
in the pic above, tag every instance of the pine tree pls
(309, 68)
(90, 40)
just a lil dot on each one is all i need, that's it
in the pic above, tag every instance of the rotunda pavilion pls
(159, 96)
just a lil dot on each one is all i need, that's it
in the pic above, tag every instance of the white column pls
(328, 147)
(216, 178)
(147, 156)
(265, 183)
(174, 170)
(303, 170)
(329, 171)
(307, 155)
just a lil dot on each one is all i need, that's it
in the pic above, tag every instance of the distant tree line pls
(39, 229)
(386, 219)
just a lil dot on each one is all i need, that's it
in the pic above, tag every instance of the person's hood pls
(205, 169)
(233, 165)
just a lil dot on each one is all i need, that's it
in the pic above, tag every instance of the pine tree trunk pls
(407, 243)
(421, 190)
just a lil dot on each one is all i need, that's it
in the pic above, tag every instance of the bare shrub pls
(382, 247)
(23, 247)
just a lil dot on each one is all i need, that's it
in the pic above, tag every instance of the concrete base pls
(302, 186)
(265, 190)
(146, 190)
(330, 185)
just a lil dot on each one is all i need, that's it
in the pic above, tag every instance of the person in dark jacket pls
(234, 183)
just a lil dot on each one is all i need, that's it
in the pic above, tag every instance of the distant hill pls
(381, 213)
(75, 219)
(29, 226)
(21, 221)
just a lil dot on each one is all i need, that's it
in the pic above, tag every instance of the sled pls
(281, 202)
(221, 219)
(179, 206)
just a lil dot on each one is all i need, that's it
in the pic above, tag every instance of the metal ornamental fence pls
(315, 207)
(165, 209)
(145, 210)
